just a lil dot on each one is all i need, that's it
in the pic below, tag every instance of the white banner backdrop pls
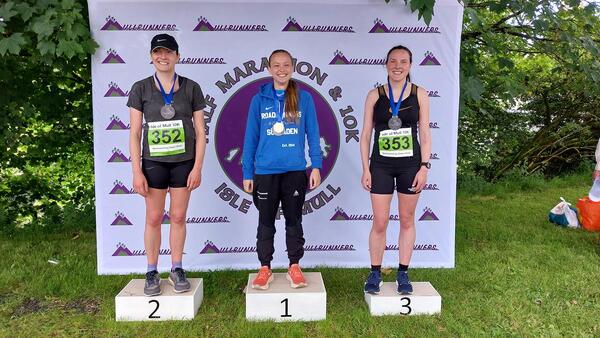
(339, 50)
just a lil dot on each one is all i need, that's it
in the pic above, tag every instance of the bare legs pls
(155, 202)
(381, 214)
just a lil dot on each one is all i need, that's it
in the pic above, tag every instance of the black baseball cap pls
(164, 41)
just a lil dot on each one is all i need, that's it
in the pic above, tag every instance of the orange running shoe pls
(264, 277)
(295, 276)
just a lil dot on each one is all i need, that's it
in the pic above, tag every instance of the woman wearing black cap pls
(167, 109)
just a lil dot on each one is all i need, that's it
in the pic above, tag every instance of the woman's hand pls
(315, 178)
(596, 174)
(194, 179)
(420, 180)
(248, 186)
(366, 180)
(140, 184)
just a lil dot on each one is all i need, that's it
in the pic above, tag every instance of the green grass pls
(516, 274)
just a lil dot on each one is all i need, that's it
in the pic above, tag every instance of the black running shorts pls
(163, 175)
(384, 180)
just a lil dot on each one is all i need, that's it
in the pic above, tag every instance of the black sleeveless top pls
(409, 114)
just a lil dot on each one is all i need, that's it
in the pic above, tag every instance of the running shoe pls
(264, 277)
(295, 276)
(373, 283)
(152, 284)
(403, 283)
(179, 281)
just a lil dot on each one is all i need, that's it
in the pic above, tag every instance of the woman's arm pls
(424, 139)
(195, 176)
(140, 185)
(365, 137)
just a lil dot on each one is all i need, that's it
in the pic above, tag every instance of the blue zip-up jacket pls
(265, 153)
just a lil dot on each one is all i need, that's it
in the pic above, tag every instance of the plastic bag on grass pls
(589, 214)
(564, 214)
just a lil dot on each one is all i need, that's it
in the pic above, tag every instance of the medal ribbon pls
(168, 98)
(396, 105)
(280, 107)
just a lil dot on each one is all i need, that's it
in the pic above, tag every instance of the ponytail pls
(291, 102)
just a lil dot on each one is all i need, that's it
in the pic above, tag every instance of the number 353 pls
(395, 143)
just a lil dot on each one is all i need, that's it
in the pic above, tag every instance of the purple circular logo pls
(231, 127)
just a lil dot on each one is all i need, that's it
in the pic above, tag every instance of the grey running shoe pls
(179, 281)
(152, 285)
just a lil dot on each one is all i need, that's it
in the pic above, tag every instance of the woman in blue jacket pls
(280, 120)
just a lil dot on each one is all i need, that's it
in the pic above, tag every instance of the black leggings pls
(269, 190)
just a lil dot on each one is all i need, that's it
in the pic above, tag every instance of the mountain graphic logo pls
(292, 26)
(433, 93)
(429, 60)
(379, 27)
(113, 57)
(115, 91)
(428, 215)
(434, 156)
(339, 215)
(203, 25)
(434, 125)
(122, 250)
(120, 219)
(111, 25)
(339, 59)
(209, 248)
(166, 219)
(118, 157)
(116, 124)
(120, 189)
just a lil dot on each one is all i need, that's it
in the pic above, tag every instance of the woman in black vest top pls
(399, 161)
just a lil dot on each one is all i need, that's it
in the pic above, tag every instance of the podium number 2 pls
(407, 305)
(152, 316)
(286, 314)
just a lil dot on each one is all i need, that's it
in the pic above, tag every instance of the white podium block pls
(425, 300)
(282, 303)
(132, 305)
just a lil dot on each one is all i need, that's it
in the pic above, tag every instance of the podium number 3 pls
(407, 305)
(152, 316)
(285, 314)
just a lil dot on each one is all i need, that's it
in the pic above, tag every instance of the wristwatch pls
(426, 165)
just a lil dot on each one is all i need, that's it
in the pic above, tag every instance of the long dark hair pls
(291, 92)
(400, 47)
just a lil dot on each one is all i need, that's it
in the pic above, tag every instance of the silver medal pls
(395, 123)
(278, 128)
(167, 111)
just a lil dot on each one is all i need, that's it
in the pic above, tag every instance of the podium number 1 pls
(286, 314)
(152, 316)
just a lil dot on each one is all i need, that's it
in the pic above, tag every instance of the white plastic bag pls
(564, 214)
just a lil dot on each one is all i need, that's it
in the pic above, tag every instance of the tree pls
(46, 168)
(530, 79)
